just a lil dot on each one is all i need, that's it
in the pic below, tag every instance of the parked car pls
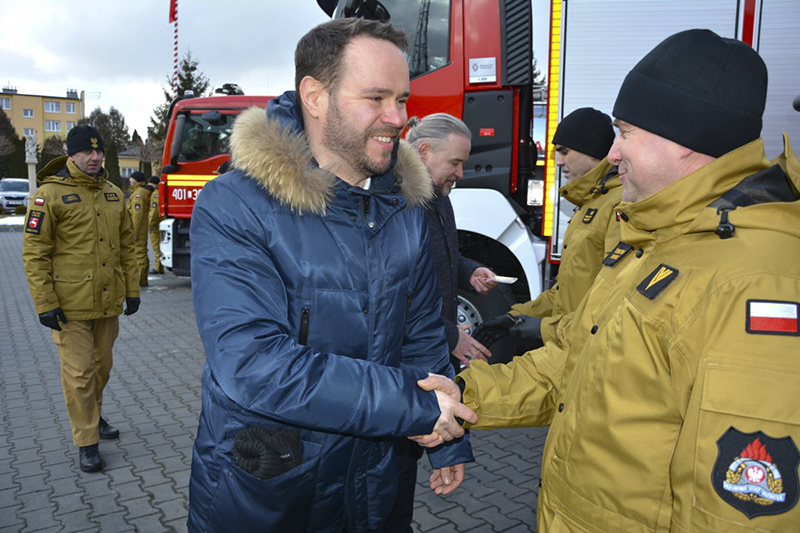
(13, 193)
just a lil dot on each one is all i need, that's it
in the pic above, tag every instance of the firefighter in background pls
(673, 404)
(81, 266)
(581, 143)
(154, 219)
(139, 208)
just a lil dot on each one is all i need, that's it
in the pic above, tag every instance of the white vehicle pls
(13, 193)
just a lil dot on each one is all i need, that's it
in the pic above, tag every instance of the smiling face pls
(365, 114)
(88, 161)
(647, 162)
(445, 160)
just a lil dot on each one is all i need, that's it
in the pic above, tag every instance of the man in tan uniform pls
(581, 143)
(139, 209)
(81, 265)
(154, 219)
(672, 405)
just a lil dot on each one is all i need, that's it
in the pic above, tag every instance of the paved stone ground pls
(153, 398)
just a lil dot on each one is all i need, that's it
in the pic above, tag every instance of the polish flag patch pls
(38, 201)
(769, 317)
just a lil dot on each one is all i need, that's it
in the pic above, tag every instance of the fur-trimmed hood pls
(272, 149)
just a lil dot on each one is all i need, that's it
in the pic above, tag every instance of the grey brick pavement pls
(154, 399)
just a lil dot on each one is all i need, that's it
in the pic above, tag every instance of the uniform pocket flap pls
(72, 275)
(746, 390)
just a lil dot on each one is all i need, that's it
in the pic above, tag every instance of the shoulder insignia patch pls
(34, 222)
(589, 215)
(755, 473)
(112, 197)
(70, 198)
(38, 201)
(154, 205)
(137, 206)
(620, 250)
(770, 317)
(658, 280)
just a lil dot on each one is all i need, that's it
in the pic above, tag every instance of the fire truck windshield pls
(202, 139)
(427, 23)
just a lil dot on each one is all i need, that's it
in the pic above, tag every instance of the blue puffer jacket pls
(318, 308)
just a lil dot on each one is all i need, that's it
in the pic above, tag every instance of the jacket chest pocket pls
(746, 458)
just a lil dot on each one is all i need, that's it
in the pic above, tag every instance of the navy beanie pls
(697, 89)
(138, 176)
(82, 138)
(586, 130)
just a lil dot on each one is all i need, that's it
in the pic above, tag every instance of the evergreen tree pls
(136, 139)
(112, 165)
(111, 126)
(190, 77)
(146, 167)
(53, 147)
(12, 164)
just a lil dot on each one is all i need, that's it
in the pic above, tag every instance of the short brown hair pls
(319, 52)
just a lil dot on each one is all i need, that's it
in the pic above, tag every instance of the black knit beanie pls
(586, 130)
(82, 138)
(154, 180)
(138, 176)
(698, 89)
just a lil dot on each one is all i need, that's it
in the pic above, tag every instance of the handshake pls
(448, 426)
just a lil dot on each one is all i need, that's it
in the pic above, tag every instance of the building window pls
(70, 125)
(27, 113)
(5, 103)
(52, 107)
(30, 132)
(52, 125)
(70, 107)
(126, 172)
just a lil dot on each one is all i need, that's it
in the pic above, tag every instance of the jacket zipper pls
(305, 315)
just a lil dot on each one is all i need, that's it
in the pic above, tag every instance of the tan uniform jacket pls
(154, 219)
(591, 234)
(139, 209)
(673, 405)
(77, 244)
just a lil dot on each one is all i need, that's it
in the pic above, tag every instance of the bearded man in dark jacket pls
(317, 303)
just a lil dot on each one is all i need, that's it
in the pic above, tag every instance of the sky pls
(120, 52)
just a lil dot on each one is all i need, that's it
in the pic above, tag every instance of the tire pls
(475, 308)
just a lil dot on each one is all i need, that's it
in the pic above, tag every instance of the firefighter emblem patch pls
(34, 222)
(589, 215)
(755, 473)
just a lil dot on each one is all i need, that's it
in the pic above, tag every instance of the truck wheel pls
(475, 308)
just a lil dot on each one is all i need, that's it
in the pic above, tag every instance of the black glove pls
(528, 332)
(132, 305)
(266, 454)
(50, 318)
(493, 329)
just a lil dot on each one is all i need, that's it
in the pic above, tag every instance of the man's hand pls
(447, 479)
(449, 397)
(528, 332)
(468, 348)
(132, 305)
(481, 280)
(51, 318)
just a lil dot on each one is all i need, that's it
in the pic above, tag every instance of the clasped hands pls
(447, 479)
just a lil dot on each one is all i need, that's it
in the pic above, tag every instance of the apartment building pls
(42, 115)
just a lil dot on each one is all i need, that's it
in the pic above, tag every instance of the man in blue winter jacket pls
(317, 303)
